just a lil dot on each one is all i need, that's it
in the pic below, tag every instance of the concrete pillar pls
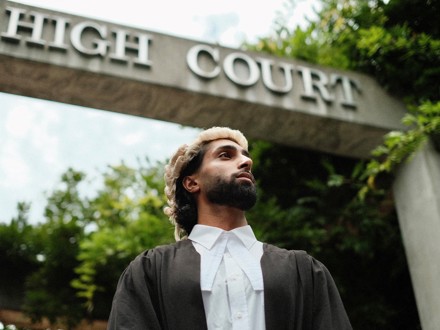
(417, 195)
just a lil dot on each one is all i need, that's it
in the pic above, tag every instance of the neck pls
(220, 216)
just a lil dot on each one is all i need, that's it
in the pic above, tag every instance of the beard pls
(241, 195)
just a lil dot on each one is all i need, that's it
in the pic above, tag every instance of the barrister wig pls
(181, 208)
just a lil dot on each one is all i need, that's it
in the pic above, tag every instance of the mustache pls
(245, 174)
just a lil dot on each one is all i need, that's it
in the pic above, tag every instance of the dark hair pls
(186, 210)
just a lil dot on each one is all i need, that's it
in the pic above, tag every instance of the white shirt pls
(231, 278)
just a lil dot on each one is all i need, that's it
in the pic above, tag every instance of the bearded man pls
(218, 275)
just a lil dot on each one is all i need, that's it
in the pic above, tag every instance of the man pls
(217, 275)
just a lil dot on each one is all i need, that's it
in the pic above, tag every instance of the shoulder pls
(308, 270)
(167, 248)
(301, 259)
(272, 250)
(162, 251)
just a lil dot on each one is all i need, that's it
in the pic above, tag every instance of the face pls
(225, 175)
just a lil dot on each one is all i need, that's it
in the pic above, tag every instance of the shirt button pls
(239, 315)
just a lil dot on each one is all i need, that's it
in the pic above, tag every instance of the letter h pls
(36, 27)
(141, 47)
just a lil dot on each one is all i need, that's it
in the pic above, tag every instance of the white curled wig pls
(180, 160)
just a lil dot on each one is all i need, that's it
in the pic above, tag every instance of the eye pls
(224, 154)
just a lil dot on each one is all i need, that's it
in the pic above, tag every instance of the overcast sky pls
(39, 139)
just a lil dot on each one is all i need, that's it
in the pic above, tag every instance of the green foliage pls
(48, 293)
(402, 60)
(401, 146)
(384, 52)
(309, 201)
(401, 51)
(128, 216)
(397, 42)
(18, 255)
(66, 268)
(16, 245)
(358, 35)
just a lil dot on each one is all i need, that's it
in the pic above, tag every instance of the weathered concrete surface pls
(168, 90)
(417, 194)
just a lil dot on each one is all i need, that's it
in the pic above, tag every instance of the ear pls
(190, 184)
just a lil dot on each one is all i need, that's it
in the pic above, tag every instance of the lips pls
(246, 175)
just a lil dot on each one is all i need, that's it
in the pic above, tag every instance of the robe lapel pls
(187, 279)
(281, 303)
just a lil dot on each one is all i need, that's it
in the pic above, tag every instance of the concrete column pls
(417, 195)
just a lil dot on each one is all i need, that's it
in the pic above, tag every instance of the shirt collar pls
(238, 242)
(208, 235)
(246, 236)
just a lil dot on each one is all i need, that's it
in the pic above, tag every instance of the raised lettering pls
(100, 45)
(347, 89)
(192, 60)
(314, 80)
(60, 31)
(253, 73)
(36, 27)
(92, 39)
(266, 74)
(121, 45)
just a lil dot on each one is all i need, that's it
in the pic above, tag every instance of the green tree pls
(308, 201)
(345, 215)
(395, 41)
(70, 263)
(48, 292)
(128, 218)
(18, 256)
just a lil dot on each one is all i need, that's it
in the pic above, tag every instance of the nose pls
(245, 163)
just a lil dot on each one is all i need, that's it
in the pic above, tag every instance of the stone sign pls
(87, 62)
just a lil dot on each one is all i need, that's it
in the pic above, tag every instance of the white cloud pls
(15, 172)
(133, 138)
(181, 18)
(19, 121)
(45, 142)
(26, 139)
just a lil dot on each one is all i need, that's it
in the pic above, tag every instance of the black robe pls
(160, 289)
